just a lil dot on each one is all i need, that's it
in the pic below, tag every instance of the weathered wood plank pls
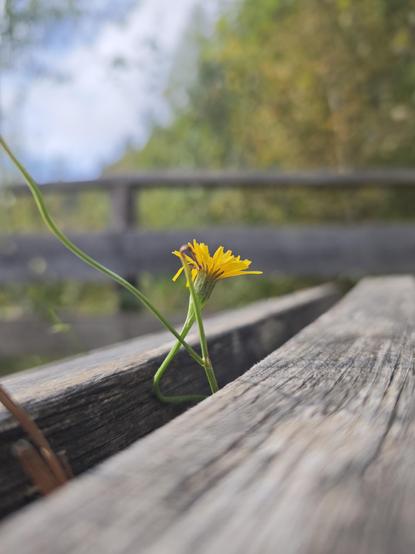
(315, 251)
(123, 209)
(93, 406)
(247, 178)
(311, 451)
(124, 217)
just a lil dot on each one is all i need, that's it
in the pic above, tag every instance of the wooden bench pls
(310, 451)
(95, 405)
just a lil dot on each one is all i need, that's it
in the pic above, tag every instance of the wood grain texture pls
(95, 405)
(312, 451)
(247, 178)
(326, 251)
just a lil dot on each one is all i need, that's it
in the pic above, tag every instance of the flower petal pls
(178, 273)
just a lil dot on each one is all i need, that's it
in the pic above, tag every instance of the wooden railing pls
(310, 449)
(243, 178)
(315, 250)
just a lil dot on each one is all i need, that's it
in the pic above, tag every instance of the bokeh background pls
(103, 88)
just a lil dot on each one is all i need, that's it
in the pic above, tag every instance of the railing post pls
(123, 218)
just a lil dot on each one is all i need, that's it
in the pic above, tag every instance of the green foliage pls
(28, 27)
(48, 299)
(26, 23)
(293, 84)
(88, 211)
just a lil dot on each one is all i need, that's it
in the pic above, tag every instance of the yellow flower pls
(221, 265)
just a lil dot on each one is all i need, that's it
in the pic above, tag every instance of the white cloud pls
(86, 119)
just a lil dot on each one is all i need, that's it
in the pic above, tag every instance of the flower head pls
(207, 269)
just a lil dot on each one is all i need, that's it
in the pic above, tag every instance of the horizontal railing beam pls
(307, 250)
(240, 179)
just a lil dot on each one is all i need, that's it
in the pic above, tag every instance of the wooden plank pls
(93, 406)
(123, 212)
(124, 217)
(325, 251)
(241, 179)
(84, 333)
(310, 452)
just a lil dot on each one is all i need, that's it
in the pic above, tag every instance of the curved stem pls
(50, 223)
(179, 399)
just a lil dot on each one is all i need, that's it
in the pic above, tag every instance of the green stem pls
(196, 307)
(166, 362)
(211, 377)
(50, 223)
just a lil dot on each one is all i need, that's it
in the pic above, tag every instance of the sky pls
(107, 89)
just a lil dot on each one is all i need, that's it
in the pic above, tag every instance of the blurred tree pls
(299, 84)
(304, 83)
(27, 27)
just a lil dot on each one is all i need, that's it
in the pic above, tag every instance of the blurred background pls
(105, 89)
